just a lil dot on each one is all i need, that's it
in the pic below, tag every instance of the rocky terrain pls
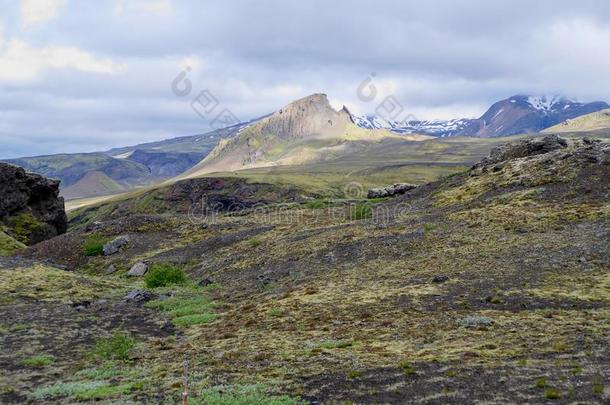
(490, 285)
(30, 208)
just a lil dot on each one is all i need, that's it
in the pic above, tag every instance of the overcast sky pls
(78, 75)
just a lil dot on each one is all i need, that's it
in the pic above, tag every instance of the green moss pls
(23, 225)
(241, 395)
(103, 391)
(39, 361)
(541, 382)
(186, 311)
(9, 245)
(66, 389)
(164, 274)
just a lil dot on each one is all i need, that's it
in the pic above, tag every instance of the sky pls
(88, 75)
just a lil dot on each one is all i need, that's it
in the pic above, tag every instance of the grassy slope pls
(596, 121)
(8, 245)
(314, 305)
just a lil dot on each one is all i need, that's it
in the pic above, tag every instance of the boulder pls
(111, 269)
(396, 189)
(137, 296)
(138, 269)
(115, 245)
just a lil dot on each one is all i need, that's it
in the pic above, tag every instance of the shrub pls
(360, 211)
(94, 245)
(161, 275)
(115, 347)
(39, 361)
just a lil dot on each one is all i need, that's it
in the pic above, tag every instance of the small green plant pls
(522, 362)
(94, 245)
(360, 211)
(274, 312)
(354, 374)
(428, 228)
(552, 393)
(407, 369)
(163, 274)
(116, 347)
(254, 242)
(598, 388)
(541, 382)
(38, 361)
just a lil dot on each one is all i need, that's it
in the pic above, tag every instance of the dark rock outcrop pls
(523, 148)
(30, 207)
(390, 191)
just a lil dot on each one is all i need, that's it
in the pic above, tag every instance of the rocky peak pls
(309, 116)
(30, 209)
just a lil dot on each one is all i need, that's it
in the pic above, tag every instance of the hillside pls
(597, 121)
(490, 285)
(84, 175)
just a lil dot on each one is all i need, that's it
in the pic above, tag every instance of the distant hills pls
(305, 131)
(121, 169)
(515, 115)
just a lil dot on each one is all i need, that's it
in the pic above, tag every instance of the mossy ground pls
(327, 309)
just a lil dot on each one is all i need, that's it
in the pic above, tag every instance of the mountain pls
(527, 114)
(599, 120)
(307, 130)
(441, 128)
(121, 169)
(515, 115)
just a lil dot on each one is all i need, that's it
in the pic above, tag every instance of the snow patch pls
(123, 155)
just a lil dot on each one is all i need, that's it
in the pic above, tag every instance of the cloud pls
(161, 7)
(88, 78)
(20, 61)
(34, 12)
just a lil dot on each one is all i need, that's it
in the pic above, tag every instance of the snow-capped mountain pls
(439, 128)
(515, 115)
